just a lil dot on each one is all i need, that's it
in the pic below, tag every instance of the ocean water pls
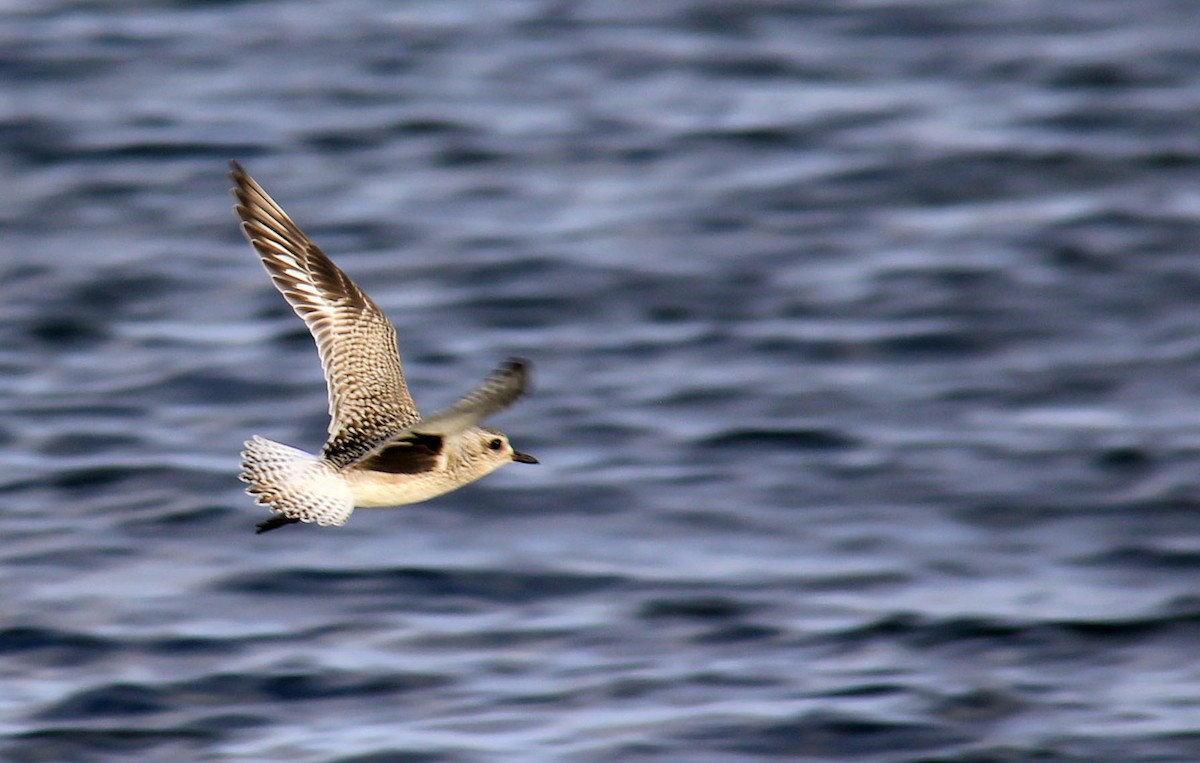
(867, 341)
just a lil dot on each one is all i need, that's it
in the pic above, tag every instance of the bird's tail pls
(295, 484)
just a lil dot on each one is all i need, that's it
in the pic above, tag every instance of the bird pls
(381, 451)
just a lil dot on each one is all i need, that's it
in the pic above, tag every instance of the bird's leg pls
(273, 523)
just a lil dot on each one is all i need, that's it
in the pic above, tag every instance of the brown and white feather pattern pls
(368, 398)
(295, 484)
(380, 451)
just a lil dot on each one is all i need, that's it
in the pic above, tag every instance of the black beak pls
(523, 458)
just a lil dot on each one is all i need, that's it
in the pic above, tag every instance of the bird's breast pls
(376, 489)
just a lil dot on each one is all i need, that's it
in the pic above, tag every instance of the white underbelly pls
(376, 489)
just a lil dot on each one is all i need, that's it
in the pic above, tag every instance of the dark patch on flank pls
(415, 454)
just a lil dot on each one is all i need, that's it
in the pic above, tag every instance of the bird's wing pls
(499, 390)
(368, 399)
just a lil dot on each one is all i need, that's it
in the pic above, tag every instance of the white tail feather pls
(296, 484)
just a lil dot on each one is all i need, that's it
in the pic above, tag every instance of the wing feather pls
(368, 398)
(499, 390)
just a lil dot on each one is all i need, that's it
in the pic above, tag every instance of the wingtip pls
(240, 179)
(518, 364)
(521, 367)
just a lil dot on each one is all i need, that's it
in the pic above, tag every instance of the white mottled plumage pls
(380, 451)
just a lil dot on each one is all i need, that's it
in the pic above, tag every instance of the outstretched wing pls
(500, 389)
(368, 399)
(419, 446)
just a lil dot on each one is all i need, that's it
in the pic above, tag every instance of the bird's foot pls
(274, 523)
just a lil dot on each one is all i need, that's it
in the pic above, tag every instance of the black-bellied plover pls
(380, 451)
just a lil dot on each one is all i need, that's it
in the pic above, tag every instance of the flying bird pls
(381, 451)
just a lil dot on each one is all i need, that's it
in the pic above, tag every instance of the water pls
(868, 381)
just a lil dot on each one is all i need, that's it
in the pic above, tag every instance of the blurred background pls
(867, 340)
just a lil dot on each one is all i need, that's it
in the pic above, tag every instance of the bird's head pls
(490, 448)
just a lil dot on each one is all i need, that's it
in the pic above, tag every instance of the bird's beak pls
(523, 458)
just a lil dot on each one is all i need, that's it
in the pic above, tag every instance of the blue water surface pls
(867, 340)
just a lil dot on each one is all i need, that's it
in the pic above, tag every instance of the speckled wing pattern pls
(368, 399)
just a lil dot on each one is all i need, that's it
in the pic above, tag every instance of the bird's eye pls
(495, 444)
